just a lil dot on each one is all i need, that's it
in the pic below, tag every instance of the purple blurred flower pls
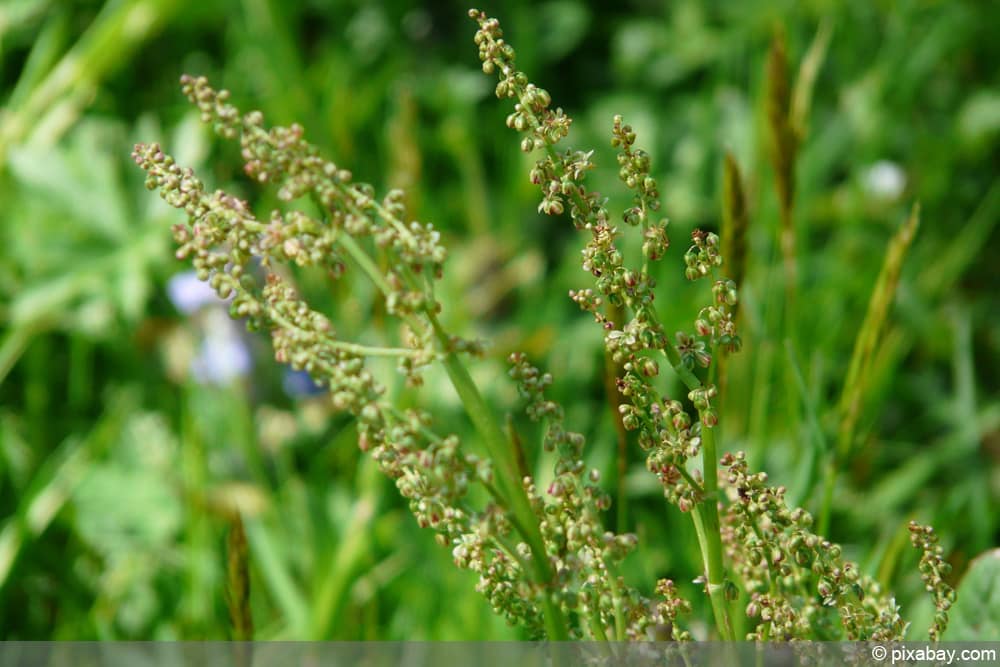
(300, 384)
(223, 355)
(189, 294)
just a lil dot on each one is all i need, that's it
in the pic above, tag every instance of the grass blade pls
(806, 81)
(865, 344)
(870, 332)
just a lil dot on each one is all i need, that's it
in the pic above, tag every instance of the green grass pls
(119, 473)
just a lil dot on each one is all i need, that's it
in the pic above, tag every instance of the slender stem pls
(706, 516)
(716, 581)
(712, 539)
(596, 628)
(698, 488)
(611, 372)
(509, 484)
(509, 481)
(689, 379)
(616, 597)
(363, 261)
(699, 528)
(350, 348)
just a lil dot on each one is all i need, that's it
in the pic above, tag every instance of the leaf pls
(975, 616)
(78, 180)
(138, 472)
(147, 521)
(55, 482)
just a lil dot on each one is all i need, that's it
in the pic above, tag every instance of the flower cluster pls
(715, 323)
(586, 556)
(224, 240)
(663, 621)
(240, 257)
(634, 172)
(799, 583)
(666, 431)
(531, 113)
(933, 570)
(543, 557)
(434, 475)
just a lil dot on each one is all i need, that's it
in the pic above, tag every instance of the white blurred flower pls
(188, 294)
(884, 180)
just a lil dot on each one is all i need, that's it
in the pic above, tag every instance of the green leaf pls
(150, 518)
(78, 180)
(976, 614)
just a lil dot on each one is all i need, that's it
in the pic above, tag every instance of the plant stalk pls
(509, 481)
(706, 520)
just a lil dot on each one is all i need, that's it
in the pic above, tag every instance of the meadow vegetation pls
(696, 335)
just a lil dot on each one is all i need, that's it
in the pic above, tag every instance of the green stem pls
(350, 348)
(698, 488)
(616, 596)
(364, 262)
(596, 629)
(706, 517)
(710, 461)
(710, 535)
(689, 379)
(509, 481)
(509, 484)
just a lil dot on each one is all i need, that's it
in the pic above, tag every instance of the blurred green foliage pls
(119, 472)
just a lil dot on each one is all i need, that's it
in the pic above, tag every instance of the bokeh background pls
(135, 417)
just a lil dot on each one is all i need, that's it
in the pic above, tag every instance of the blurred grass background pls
(120, 468)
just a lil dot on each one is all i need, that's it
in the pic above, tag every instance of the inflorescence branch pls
(665, 430)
